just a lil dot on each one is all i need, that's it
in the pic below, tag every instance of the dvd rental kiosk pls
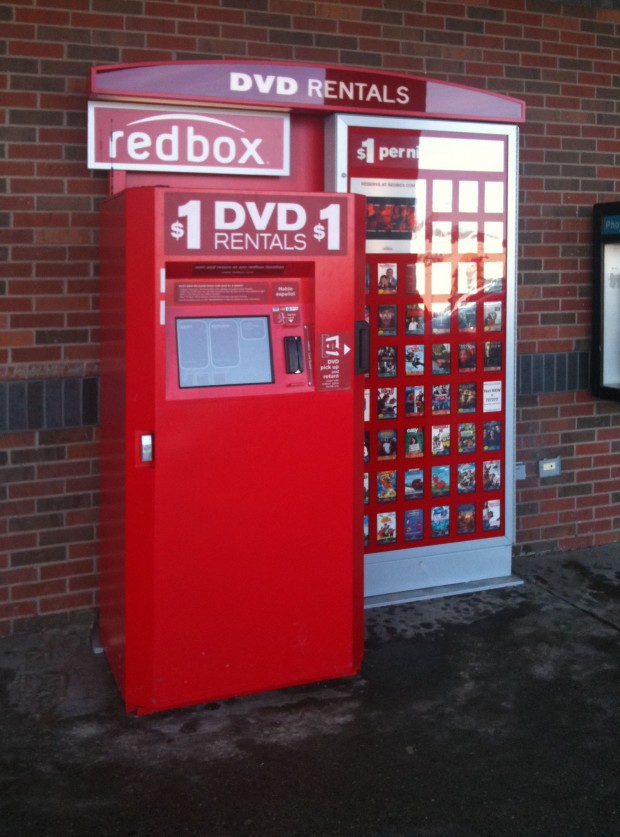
(242, 509)
(308, 305)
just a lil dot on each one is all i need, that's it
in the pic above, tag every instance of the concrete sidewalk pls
(492, 714)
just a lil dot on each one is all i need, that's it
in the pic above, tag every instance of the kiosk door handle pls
(362, 347)
(146, 447)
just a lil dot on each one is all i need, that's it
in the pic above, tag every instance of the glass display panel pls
(224, 351)
(436, 226)
(611, 316)
(605, 355)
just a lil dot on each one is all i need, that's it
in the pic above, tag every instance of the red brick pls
(84, 582)
(64, 469)
(579, 541)
(63, 570)
(32, 48)
(66, 535)
(70, 601)
(78, 518)
(16, 338)
(15, 610)
(87, 549)
(19, 540)
(47, 16)
(580, 515)
(38, 589)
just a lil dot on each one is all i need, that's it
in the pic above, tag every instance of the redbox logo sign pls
(134, 137)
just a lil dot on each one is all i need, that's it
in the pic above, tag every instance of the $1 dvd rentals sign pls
(312, 225)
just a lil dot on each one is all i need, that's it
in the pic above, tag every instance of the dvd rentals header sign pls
(299, 87)
(257, 224)
(203, 140)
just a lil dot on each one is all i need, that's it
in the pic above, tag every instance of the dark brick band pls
(74, 402)
(48, 405)
(553, 372)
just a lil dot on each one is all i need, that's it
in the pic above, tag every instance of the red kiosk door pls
(238, 567)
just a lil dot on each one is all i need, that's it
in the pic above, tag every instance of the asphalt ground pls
(488, 714)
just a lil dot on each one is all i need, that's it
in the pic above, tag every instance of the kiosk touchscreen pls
(224, 351)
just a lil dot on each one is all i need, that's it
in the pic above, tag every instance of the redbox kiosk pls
(229, 401)
(308, 355)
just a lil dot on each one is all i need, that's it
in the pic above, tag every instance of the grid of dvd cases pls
(433, 449)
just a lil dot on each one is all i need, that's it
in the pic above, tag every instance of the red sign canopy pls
(299, 88)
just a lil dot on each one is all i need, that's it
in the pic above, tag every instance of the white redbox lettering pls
(229, 215)
(196, 141)
(291, 216)
(166, 147)
(243, 82)
(260, 219)
(232, 215)
(136, 145)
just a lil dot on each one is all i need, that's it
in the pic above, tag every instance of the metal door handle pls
(362, 347)
(146, 447)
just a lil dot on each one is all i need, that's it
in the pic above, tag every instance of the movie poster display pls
(439, 302)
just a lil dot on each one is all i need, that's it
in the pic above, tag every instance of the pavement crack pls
(581, 608)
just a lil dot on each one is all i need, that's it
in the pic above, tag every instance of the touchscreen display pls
(223, 351)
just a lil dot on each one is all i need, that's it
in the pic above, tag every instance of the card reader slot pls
(293, 355)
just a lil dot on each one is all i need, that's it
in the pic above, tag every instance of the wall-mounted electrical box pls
(549, 467)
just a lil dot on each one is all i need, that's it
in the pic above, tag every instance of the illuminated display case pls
(439, 408)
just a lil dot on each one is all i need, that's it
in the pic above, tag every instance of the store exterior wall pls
(560, 58)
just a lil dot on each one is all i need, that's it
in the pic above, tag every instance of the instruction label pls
(334, 366)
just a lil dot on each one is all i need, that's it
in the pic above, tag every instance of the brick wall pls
(560, 57)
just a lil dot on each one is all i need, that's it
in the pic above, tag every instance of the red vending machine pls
(232, 399)
(275, 403)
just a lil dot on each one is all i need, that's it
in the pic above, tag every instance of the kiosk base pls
(407, 596)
